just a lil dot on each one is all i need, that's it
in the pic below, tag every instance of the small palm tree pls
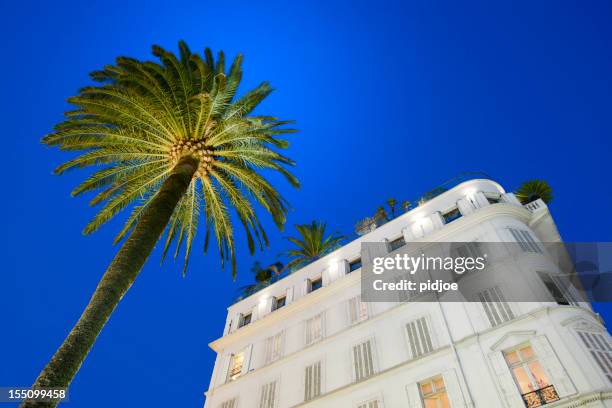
(531, 190)
(392, 202)
(312, 244)
(174, 140)
(406, 205)
(264, 276)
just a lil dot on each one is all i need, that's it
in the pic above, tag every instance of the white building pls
(308, 341)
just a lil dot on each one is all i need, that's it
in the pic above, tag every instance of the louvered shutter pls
(363, 360)
(419, 337)
(358, 310)
(551, 363)
(370, 404)
(504, 380)
(247, 359)
(225, 363)
(268, 395)
(414, 396)
(229, 403)
(289, 295)
(312, 381)
(453, 389)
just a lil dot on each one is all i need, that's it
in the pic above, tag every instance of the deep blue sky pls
(391, 99)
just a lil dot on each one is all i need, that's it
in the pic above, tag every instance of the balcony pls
(540, 397)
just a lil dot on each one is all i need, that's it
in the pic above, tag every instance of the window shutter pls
(453, 389)
(235, 322)
(289, 295)
(247, 359)
(273, 349)
(598, 344)
(414, 396)
(268, 395)
(225, 363)
(551, 363)
(229, 403)
(358, 310)
(505, 381)
(370, 404)
(363, 360)
(419, 337)
(312, 381)
(305, 287)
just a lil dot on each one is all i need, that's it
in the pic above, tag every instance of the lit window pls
(315, 284)
(235, 367)
(279, 302)
(433, 393)
(354, 265)
(530, 377)
(451, 215)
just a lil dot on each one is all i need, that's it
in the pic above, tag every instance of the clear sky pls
(391, 99)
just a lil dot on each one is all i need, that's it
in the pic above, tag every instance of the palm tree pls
(175, 141)
(312, 244)
(264, 276)
(392, 202)
(531, 190)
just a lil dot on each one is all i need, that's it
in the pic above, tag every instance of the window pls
(433, 393)
(467, 250)
(598, 345)
(396, 244)
(553, 288)
(314, 329)
(497, 309)
(279, 302)
(525, 240)
(268, 394)
(419, 337)
(375, 403)
(228, 404)
(493, 198)
(245, 320)
(363, 361)
(274, 345)
(235, 367)
(530, 377)
(358, 310)
(451, 215)
(354, 265)
(315, 284)
(312, 381)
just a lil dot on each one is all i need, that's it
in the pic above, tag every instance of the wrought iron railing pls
(540, 397)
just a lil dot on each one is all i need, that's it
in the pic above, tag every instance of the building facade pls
(309, 341)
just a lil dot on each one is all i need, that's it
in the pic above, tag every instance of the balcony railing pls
(535, 205)
(540, 397)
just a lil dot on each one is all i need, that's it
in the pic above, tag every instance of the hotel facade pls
(308, 340)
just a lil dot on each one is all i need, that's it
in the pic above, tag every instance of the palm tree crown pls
(144, 117)
(312, 244)
(531, 190)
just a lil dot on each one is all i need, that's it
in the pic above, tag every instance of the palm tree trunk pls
(117, 279)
